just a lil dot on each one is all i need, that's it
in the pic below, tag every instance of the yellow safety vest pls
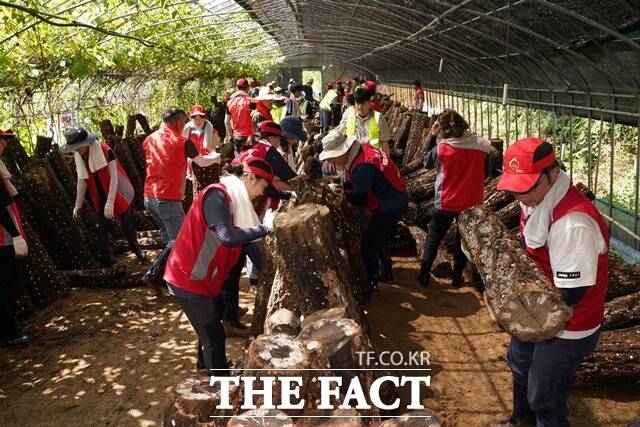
(302, 108)
(278, 113)
(374, 128)
(325, 103)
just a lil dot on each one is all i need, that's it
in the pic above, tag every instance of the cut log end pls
(261, 418)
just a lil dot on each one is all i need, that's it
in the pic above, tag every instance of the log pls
(137, 154)
(340, 339)
(400, 134)
(615, 359)
(624, 278)
(115, 277)
(192, 403)
(143, 221)
(419, 214)
(419, 418)
(622, 312)
(497, 156)
(153, 243)
(108, 132)
(204, 177)
(62, 171)
(283, 321)
(261, 418)
(43, 146)
(421, 185)
(409, 236)
(136, 176)
(267, 277)
(510, 214)
(517, 292)
(412, 166)
(315, 281)
(414, 149)
(494, 199)
(15, 157)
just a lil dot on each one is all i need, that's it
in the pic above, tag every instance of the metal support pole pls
(589, 148)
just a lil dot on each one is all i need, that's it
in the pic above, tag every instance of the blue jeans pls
(542, 375)
(169, 215)
(326, 119)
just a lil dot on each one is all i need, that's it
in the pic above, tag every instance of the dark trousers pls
(128, 229)
(230, 293)
(10, 288)
(205, 315)
(168, 215)
(542, 375)
(438, 227)
(325, 117)
(374, 239)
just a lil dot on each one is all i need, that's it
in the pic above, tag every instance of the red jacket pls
(379, 159)
(199, 262)
(166, 164)
(240, 114)
(589, 311)
(460, 179)
(124, 191)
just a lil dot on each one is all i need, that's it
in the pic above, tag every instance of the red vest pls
(124, 191)
(199, 262)
(198, 140)
(381, 161)
(259, 150)
(166, 164)
(240, 114)
(376, 104)
(460, 183)
(5, 237)
(589, 311)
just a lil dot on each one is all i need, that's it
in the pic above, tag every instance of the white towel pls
(536, 230)
(211, 138)
(5, 177)
(97, 161)
(241, 207)
(469, 141)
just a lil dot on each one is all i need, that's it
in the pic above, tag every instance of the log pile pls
(615, 359)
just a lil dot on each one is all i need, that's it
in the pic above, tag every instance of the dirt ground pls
(107, 358)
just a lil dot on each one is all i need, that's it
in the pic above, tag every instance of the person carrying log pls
(568, 239)
(462, 162)
(102, 176)
(366, 124)
(239, 105)
(13, 247)
(166, 152)
(375, 189)
(219, 224)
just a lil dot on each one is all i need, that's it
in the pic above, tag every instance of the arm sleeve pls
(190, 150)
(383, 128)
(81, 189)
(431, 153)
(575, 242)
(279, 165)
(572, 296)
(5, 218)
(216, 213)
(113, 183)
(363, 177)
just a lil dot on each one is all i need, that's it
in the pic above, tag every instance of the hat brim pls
(337, 152)
(300, 134)
(517, 182)
(70, 148)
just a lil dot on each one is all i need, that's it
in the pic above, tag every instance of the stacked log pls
(615, 359)
(415, 143)
(43, 146)
(204, 177)
(517, 292)
(624, 279)
(622, 312)
(400, 133)
(131, 125)
(421, 185)
(114, 277)
(136, 176)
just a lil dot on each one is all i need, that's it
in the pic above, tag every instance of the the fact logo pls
(361, 389)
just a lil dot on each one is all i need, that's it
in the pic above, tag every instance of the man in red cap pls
(371, 85)
(240, 112)
(569, 240)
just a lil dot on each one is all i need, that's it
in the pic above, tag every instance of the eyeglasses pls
(532, 189)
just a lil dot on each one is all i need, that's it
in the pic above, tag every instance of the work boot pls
(139, 253)
(236, 329)
(425, 275)
(152, 284)
(457, 281)
(15, 342)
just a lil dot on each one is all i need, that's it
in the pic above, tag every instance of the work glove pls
(108, 210)
(269, 218)
(76, 212)
(20, 246)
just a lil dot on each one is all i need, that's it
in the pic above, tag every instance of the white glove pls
(294, 195)
(20, 246)
(76, 212)
(269, 217)
(213, 156)
(108, 210)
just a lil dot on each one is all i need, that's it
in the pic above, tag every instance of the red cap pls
(370, 84)
(197, 110)
(7, 132)
(268, 175)
(268, 126)
(242, 83)
(524, 162)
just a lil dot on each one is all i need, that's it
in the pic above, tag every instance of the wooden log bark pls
(63, 172)
(419, 418)
(497, 156)
(137, 154)
(421, 185)
(615, 359)
(494, 199)
(43, 146)
(192, 403)
(204, 177)
(15, 157)
(624, 278)
(143, 221)
(114, 277)
(622, 312)
(283, 321)
(153, 243)
(510, 214)
(315, 281)
(267, 277)
(340, 339)
(108, 132)
(412, 166)
(516, 290)
(261, 418)
(414, 148)
(400, 134)
(419, 214)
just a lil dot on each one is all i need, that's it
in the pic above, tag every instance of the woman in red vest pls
(206, 138)
(462, 163)
(220, 223)
(110, 190)
(12, 247)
